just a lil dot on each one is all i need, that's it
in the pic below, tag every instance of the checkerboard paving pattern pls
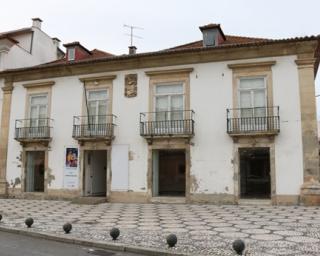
(201, 229)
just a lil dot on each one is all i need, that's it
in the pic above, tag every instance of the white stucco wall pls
(288, 145)
(212, 152)
(43, 50)
(211, 155)
(25, 41)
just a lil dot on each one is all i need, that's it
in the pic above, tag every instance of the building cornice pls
(168, 71)
(251, 64)
(305, 63)
(7, 89)
(163, 59)
(97, 78)
(39, 84)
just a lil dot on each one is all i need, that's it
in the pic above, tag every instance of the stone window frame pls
(169, 77)
(97, 83)
(252, 70)
(34, 89)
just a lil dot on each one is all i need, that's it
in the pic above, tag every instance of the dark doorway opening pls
(35, 171)
(95, 173)
(169, 173)
(255, 179)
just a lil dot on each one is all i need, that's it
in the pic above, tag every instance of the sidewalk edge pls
(78, 241)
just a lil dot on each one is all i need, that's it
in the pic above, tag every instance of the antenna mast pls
(132, 35)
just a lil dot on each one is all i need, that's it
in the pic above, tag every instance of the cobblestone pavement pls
(201, 229)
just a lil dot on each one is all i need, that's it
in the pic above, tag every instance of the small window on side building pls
(209, 38)
(71, 54)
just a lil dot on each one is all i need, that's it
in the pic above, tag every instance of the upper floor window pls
(252, 96)
(97, 101)
(169, 101)
(38, 110)
(71, 53)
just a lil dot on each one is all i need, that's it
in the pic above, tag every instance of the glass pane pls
(39, 99)
(162, 103)
(102, 110)
(245, 99)
(102, 119)
(252, 83)
(92, 108)
(177, 107)
(42, 111)
(260, 112)
(259, 98)
(246, 112)
(97, 95)
(33, 112)
(169, 89)
(42, 116)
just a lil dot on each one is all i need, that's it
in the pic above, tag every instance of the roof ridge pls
(95, 49)
(182, 45)
(14, 31)
(250, 37)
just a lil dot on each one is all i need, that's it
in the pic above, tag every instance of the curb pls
(78, 241)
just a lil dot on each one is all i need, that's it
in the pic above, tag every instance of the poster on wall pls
(71, 173)
(71, 157)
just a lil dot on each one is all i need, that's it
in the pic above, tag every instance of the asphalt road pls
(20, 245)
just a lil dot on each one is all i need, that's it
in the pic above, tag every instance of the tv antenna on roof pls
(132, 35)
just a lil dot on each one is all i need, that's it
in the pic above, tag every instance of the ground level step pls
(89, 200)
(168, 200)
(254, 202)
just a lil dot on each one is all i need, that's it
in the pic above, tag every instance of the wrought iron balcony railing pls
(167, 123)
(93, 127)
(253, 120)
(33, 129)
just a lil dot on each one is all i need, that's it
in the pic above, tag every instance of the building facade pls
(219, 120)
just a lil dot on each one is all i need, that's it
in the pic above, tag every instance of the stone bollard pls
(67, 227)
(114, 233)
(172, 240)
(29, 222)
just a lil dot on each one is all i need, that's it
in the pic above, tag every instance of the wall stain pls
(50, 176)
(194, 185)
(236, 177)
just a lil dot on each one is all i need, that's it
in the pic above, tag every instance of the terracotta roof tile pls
(94, 54)
(230, 40)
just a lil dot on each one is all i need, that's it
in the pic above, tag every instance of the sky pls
(165, 23)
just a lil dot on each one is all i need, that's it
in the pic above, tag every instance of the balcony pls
(94, 128)
(33, 130)
(253, 121)
(167, 124)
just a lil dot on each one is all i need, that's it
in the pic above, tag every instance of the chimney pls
(132, 49)
(212, 35)
(56, 41)
(36, 22)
